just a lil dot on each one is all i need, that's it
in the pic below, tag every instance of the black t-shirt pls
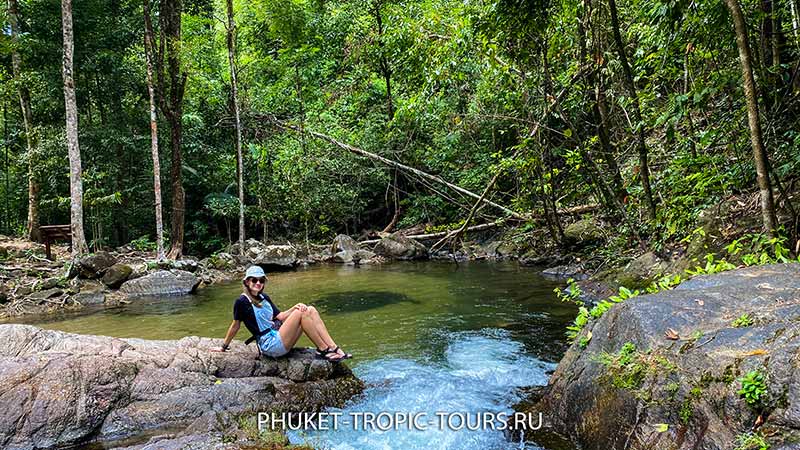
(243, 311)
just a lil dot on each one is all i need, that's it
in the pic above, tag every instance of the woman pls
(277, 331)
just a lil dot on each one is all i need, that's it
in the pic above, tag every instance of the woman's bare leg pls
(302, 322)
(321, 329)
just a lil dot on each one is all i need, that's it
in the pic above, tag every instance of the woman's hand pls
(300, 307)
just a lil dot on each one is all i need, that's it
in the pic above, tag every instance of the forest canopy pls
(643, 107)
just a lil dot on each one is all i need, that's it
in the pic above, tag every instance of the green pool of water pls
(396, 309)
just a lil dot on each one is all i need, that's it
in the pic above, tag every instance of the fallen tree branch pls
(485, 226)
(361, 152)
(422, 237)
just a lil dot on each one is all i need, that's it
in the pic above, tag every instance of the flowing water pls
(427, 338)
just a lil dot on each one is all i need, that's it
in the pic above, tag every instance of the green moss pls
(687, 411)
(628, 368)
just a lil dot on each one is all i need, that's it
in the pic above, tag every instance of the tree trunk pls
(692, 146)
(386, 71)
(759, 152)
(6, 145)
(609, 153)
(75, 184)
(148, 53)
(235, 93)
(32, 227)
(638, 125)
(172, 107)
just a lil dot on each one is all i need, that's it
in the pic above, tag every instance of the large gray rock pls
(94, 266)
(397, 246)
(343, 243)
(90, 293)
(116, 275)
(162, 282)
(269, 257)
(680, 394)
(353, 257)
(582, 233)
(60, 389)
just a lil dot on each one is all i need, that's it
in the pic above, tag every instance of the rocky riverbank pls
(711, 364)
(59, 389)
(30, 284)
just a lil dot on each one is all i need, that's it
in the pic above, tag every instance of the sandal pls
(343, 355)
(322, 353)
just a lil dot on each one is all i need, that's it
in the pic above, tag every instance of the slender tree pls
(32, 227)
(383, 62)
(235, 100)
(75, 183)
(171, 104)
(638, 125)
(751, 97)
(148, 54)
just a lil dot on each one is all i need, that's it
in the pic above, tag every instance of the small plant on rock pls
(751, 441)
(754, 389)
(742, 321)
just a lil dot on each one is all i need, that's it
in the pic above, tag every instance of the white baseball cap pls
(254, 272)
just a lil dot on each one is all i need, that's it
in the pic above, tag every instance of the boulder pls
(269, 257)
(162, 282)
(343, 243)
(582, 233)
(663, 371)
(116, 275)
(90, 292)
(500, 249)
(189, 265)
(353, 257)
(397, 246)
(46, 293)
(574, 271)
(63, 390)
(535, 258)
(94, 266)
(49, 283)
(640, 272)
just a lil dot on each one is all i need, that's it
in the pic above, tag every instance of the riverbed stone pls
(162, 282)
(563, 272)
(269, 257)
(582, 233)
(343, 243)
(90, 292)
(116, 275)
(46, 293)
(677, 385)
(94, 266)
(62, 389)
(398, 246)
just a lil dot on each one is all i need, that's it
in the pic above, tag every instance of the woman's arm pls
(232, 330)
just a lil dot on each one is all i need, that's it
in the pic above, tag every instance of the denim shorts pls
(270, 344)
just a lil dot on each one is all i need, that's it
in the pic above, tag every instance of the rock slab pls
(162, 282)
(59, 389)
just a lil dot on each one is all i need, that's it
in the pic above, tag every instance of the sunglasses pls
(257, 280)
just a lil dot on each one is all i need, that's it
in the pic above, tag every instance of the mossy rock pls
(582, 233)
